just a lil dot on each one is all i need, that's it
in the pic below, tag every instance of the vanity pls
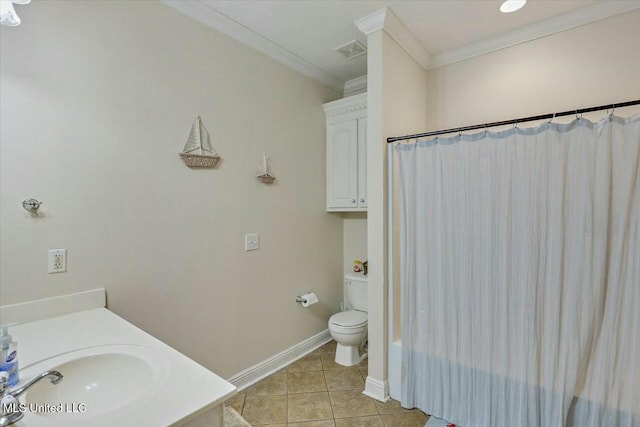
(113, 372)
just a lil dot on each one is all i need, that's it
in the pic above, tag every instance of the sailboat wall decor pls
(264, 172)
(198, 152)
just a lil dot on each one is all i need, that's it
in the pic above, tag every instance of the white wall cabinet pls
(347, 154)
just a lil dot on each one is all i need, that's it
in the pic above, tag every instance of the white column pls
(396, 104)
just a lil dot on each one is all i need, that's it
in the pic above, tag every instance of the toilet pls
(349, 328)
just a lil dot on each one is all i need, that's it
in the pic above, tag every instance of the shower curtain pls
(520, 275)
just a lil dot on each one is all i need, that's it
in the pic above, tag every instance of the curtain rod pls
(515, 121)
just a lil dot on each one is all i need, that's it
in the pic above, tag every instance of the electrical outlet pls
(57, 260)
(251, 242)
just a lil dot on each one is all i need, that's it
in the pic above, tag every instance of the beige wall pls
(354, 237)
(97, 99)
(406, 108)
(590, 65)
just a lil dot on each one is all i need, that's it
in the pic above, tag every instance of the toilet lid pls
(350, 318)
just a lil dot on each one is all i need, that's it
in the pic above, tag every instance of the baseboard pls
(375, 389)
(273, 364)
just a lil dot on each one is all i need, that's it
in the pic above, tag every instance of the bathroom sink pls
(97, 381)
(114, 374)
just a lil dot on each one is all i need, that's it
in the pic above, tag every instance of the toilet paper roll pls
(309, 299)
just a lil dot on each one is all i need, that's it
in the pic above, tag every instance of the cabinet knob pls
(353, 200)
(361, 200)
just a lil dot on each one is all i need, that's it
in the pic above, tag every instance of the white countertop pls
(185, 390)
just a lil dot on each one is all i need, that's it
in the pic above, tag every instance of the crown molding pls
(203, 13)
(354, 85)
(372, 22)
(538, 30)
(346, 105)
(385, 19)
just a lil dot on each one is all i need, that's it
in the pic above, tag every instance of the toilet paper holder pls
(307, 299)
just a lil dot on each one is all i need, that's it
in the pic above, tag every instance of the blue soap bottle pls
(9, 356)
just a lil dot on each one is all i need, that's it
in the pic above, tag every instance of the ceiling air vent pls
(353, 49)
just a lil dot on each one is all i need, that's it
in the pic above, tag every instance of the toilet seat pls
(349, 319)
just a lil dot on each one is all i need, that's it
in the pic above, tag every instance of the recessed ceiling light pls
(512, 5)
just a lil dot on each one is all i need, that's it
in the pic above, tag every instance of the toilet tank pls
(355, 293)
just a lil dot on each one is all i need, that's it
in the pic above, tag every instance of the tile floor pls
(316, 392)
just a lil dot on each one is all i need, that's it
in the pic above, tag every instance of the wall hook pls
(31, 205)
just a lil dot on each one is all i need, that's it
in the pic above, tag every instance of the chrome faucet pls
(10, 412)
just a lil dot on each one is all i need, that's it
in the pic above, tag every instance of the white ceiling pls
(303, 34)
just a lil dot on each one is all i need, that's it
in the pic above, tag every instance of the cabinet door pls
(362, 162)
(342, 165)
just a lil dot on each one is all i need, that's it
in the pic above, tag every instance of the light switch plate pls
(251, 242)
